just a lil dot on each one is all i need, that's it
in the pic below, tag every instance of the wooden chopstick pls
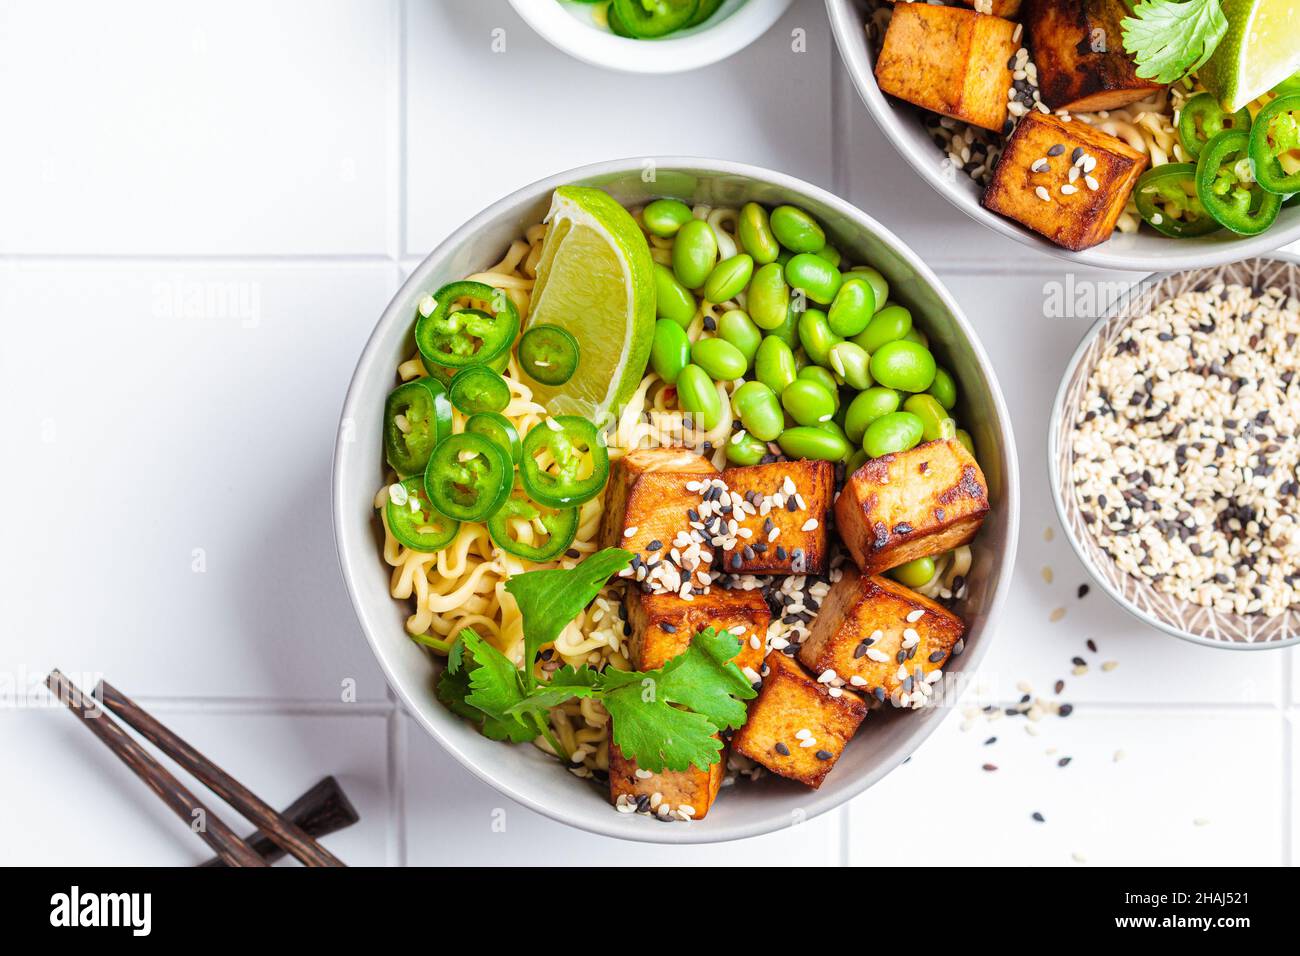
(283, 831)
(322, 810)
(223, 840)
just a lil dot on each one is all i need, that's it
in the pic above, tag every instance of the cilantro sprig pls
(666, 718)
(1171, 38)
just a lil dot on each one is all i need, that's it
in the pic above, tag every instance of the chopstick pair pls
(230, 849)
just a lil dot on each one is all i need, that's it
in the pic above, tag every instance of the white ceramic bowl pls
(569, 27)
(524, 773)
(1144, 251)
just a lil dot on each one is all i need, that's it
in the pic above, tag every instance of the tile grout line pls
(1288, 789)
(397, 757)
(399, 187)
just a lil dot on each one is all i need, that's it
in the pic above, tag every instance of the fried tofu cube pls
(678, 789)
(949, 60)
(1039, 155)
(919, 502)
(997, 8)
(797, 728)
(664, 624)
(783, 526)
(1078, 48)
(647, 495)
(881, 638)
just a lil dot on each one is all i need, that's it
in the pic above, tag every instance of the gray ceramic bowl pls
(1171, 615)
(524, 773)
(901, 123)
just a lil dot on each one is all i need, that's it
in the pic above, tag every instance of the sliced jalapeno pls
(1167, 201)
(549, 354)
(469, 336)
(468, 477)
(444, 374)
(1275, 145)
(649, 19)
(414, 521)
(479, 389)
(417, 416)
(515, 528)
(1226, 188)
(565, 462)
(499, 429)
(1202, 119)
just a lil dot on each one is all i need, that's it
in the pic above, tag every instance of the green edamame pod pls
(866, 408)
(728, 278)
(759, 410)
(697, 394)
(892, 433)
(808, 441)
(853, 307)
(672, 299)
(664, 217)
(739, 329)
(889, 324)
(796, 230)
(816, 337)
(774, 364)
(852, 363)
(769, 297)
(755, 234)
(722, 360)
(670, 350)
(944, 388)
(695, 252)
(819, 279)
(744, 449)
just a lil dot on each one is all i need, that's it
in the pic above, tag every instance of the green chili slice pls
(532, 531)
(468, 477)
(478, 389)
(413, 520)
(1225, 185)
(649, 19)
(549, 354)
(1275, 145)
(468, 336)
(1202, 119)
(499, 429)
(1167, 201)
(417, 416)
(565, 462)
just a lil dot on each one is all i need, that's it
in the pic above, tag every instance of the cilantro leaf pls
(551, 598)
(495, 686)
(565, 684)
(656, 735)
(705, 681)
(1170, 39)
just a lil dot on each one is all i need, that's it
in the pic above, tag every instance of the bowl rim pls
(1056, 479)
(350, 557)
(709, 45)
(843, 19)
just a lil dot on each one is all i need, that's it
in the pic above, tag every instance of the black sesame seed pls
(1083, 591)
(1078, 662)
(860, 650)
(991, 740)
(573, 553)
(782, 749)
(1056, 150)
(1066, 710)
(990, 767)
(935, 657)
(1039, 817)
(1064, 761)
(823, 755)
(670, 628)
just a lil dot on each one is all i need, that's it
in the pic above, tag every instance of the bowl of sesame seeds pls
(1173, 453)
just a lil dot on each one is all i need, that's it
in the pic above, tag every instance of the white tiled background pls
(202, 214)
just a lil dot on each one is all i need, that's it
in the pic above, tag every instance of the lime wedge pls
(1258, 52)
(595, 280)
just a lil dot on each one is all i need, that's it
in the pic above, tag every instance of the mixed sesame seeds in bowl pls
(1173, 453)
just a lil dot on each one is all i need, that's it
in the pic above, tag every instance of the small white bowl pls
(1143, 251)
(569, 27)
(523, 772)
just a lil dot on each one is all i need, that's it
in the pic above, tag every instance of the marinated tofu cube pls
(780, 510)
(664, 624)
(648, 505)
(797, 728)
(949, 60)
(1032, 183)
(673, 794)
(996, 8)
(900, 507)
(1078, 48)
(882, 639)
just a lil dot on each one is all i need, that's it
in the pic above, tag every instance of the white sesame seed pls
(427, 305)
(809, 525)
(916, 615)
(643, 774)
(826, 676)
(1042, 193)
(1091, 183)
(629, 532)
(802, 734)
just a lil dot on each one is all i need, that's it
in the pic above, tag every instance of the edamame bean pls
(722, 360)
(774, 364)
(856, 460)
(664, 217)
(672, 300)
(670, 350)
(878, 284)
(816, 337)
(739, 329)
(815, 373)
(931, 413)
(903, 365)
(830, 254)
(834, 428)
(851, 363)
(889, 324)
(853, 307)
(818, 278)
(944, 388)
(914, 574)
(697, 394)
(769, 297)
(756, 234)
(796, 230)
(866, 407)
(807, 402)
(805, 441)
(963, 436)
(744, 449)
(916, 335)
(888, 434)
(759, 410)
(728, 278)
(695, 251)
(788, 331)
